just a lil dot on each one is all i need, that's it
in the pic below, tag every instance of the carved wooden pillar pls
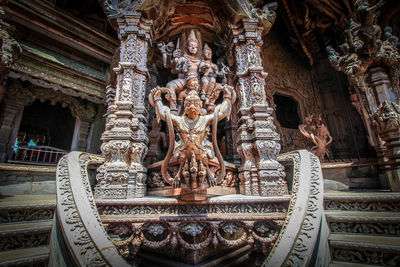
(387, 125)
(15, 101)
(258, 141)
(125, 140)
(381, 83)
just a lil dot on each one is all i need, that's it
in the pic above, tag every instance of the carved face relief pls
(192, 47)
(207, 53)
(193, 107)
(193, 84)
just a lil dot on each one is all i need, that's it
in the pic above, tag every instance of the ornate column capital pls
(135, 24)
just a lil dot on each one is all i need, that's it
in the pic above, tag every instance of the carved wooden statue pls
(158, 141)
(193, 150)
(314, 129)
(186, 66)
(192, 129)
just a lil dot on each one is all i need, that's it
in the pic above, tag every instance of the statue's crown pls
(192, 96)
(206, 47)
(192, 37)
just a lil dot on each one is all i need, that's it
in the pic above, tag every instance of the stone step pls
(38, 226)
(25, 256)
(25, 234)
(365, 249)
(364, 222)
(362, 201)
(19, 179)
(20, 208)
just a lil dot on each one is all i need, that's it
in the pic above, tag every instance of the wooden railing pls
(40, 155)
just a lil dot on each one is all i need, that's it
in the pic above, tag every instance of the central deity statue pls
(193, 150)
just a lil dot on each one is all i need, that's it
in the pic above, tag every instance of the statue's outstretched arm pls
(302, 129)
(226, 105)
(330, 139)
(155, 101)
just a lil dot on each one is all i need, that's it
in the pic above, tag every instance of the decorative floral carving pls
(302, 223)
(366, 256)
(375, 228)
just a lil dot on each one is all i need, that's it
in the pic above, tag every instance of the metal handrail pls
(40, 155)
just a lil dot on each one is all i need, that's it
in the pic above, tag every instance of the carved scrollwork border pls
(299, 233)
(77, 214)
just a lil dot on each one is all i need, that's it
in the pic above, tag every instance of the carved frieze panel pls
(24, 96)
(366, 256)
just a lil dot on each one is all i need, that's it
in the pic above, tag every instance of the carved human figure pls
(158, 141)
(192, 126)
(191, 84)
(186, 66)
(314, 129)
(209, 71)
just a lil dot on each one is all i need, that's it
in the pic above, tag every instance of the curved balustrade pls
(302, 240)
(77, 215)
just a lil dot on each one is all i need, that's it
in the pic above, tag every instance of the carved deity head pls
(192, 84)
(207, 53)
(192, 105)
(192, 43)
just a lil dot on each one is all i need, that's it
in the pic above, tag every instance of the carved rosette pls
(125, 140)
(258, 142)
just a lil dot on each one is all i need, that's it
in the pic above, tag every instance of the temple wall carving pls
(288, 76)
